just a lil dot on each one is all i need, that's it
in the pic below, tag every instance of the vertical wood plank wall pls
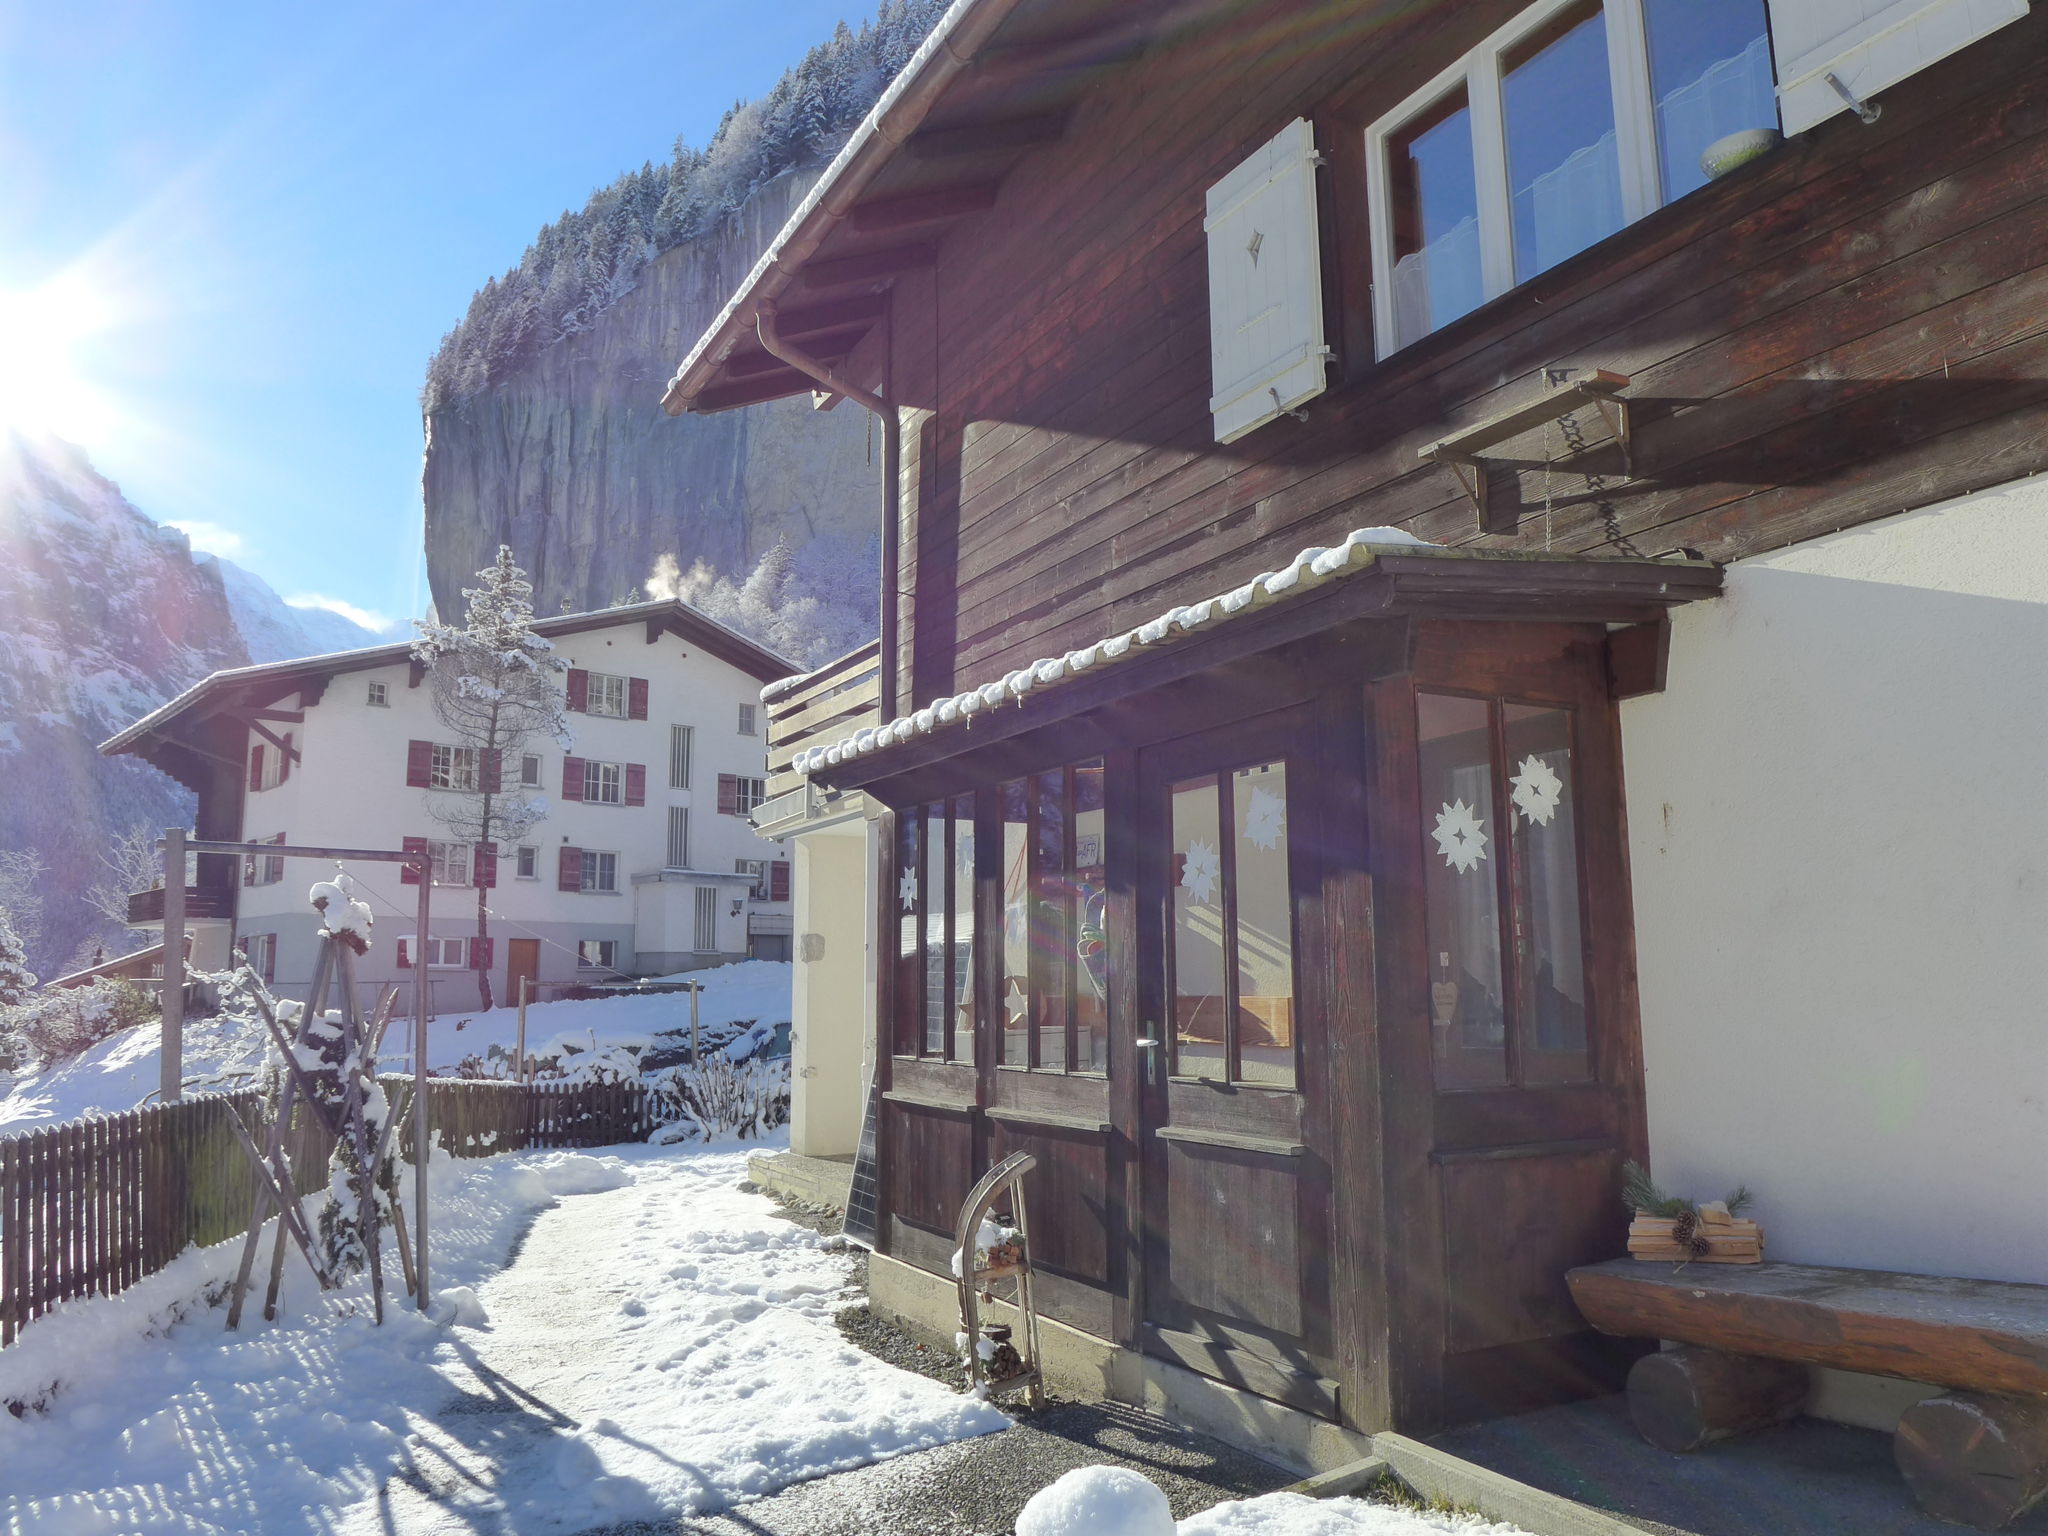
(90, 1207)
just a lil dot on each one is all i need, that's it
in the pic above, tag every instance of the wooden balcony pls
(146, 908)
(838, 699)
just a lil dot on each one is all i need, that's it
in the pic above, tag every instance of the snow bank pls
(575, 1173)
(1116, 1501)
(1098, 1501)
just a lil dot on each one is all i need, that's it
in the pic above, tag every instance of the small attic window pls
(380, 695)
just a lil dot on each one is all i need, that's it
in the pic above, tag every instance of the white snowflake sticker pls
(1460, 836)
(906, 890)
(1265, 818)
(1537, 790)
(1201, 868)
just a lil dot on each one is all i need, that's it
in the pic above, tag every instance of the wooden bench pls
(1977, 1454)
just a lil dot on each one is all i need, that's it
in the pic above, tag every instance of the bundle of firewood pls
(1710, 1235)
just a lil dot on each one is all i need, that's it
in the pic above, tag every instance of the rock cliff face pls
(103, 616)
(573, 463)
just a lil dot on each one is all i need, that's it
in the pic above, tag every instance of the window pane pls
(1265, 926)
(1546, 885)
(1710, 72)
(1016, 989)
(909, 970)
(1090, 947)
(1052, 921)
(1197, 933)
(1437, 274)
(934, 902)
(1557, 105)
(963, 928)
(1467, 1022)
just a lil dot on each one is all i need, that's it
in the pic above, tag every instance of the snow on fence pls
(91, 1206)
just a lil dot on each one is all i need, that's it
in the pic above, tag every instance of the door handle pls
(1150, 1046)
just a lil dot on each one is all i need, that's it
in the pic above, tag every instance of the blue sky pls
(251, 223)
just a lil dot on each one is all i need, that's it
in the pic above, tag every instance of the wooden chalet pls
(1307, 424)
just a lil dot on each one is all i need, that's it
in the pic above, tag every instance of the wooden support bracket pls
(1463, 451)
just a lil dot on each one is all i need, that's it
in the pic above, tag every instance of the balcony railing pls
(146, 908)
(838, 699)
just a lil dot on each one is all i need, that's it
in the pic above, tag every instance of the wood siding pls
(1865, 285)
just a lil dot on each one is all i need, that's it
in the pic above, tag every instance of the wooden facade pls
(1378, 1230)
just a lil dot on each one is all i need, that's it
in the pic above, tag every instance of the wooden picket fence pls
(92, 1206)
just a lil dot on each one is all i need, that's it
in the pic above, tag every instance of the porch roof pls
(1371, 573)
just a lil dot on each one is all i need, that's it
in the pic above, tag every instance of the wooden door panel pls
(1069, 1195)
(930, 1162)
(1235, 1218)
(1512, 1227)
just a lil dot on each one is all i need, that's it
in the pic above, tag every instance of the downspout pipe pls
(892, 463)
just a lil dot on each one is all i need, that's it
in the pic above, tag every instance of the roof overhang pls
(1324, 592)
(993, 82)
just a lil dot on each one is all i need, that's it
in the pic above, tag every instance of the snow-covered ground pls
(664, 1345)
(1118, 1501)
(122, 1072)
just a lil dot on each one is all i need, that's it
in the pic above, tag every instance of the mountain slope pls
(103, 615)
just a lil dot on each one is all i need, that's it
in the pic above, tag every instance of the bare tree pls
(134, 863)
(21, 893)
(494, 690)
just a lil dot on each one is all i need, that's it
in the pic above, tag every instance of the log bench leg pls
(1682, 1399)
(1973, 1458)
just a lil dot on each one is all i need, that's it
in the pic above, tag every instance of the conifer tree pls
(16, 986)
(494, 690)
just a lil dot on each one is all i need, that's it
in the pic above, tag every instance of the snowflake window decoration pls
(1201, 870)
(1460, 836)
(906, 890)
(1015, 1003)
(1265, 818)
(1537, 790)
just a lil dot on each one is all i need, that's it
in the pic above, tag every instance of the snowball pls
(1098, 1501)
(458, 1305)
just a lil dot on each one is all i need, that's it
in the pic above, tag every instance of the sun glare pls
(44, 333)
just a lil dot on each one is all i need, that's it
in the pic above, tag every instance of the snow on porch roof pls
(1360, 550)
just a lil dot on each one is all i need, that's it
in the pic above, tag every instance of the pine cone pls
(1685, 1231)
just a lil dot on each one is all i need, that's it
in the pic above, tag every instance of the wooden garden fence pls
(92, 1206)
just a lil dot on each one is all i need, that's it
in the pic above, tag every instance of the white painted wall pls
(833, 987)
(350, 791)
(1839, 841)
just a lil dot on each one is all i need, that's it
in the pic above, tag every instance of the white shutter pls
(1868, 45)
(1266, 350)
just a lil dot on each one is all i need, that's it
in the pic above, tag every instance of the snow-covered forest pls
(588, 259)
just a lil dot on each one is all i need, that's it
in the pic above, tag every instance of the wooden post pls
(171, 1061)
(1973, 1458)
(419, 1083)
(525, 985)
(1682, 1399)
(695, 1060)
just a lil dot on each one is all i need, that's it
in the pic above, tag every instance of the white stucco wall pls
(350, 791)
(1838, 817)
(833, 990)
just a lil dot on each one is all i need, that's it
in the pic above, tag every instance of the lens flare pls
(44, 334)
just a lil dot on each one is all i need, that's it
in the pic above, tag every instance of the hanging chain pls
(1575, 443)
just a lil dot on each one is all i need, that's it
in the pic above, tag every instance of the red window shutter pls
(419, 764)
(778, 880)
(256, 766)
(480, 953)
(728, 794)
(572, 778)
(406, 873)
(569, 873)
(491, 770)
(579, 690)
(485, 865)
(404, 956)
(284, 759)
(636, 783)
(636, 698)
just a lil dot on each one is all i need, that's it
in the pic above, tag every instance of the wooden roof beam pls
(937, 206)
(869, 266)
(779, 385)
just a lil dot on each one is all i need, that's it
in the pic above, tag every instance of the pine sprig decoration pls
(1740, 1201)
(1639, 1192)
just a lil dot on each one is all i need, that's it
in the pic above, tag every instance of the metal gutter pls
(901, 111)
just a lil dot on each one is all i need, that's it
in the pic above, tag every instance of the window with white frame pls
(746, 720)
(529, 862)
(263, 869)
(451, 862)
(1577, 118)
(266, 766)
(260, 951)
(529, 770)
(453, 768)
(607, 695)
(679, 837)
(758, 868)
(441, 954)
(380, 695)
(604, 783)
(681, 739)
(597, 954)
(600, 870)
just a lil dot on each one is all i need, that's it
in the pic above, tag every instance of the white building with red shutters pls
(645, 864)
